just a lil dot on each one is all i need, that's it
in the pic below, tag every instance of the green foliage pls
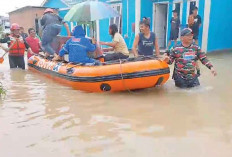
(2, 91)
(1, 31)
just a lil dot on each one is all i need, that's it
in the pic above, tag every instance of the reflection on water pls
(40, 117)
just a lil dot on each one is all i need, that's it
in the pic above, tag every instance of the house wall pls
(184, 15)
(30, 13)
(219, 20)
(127, 22)
(220, 32)
(147, 10)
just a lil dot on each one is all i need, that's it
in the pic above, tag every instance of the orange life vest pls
(18, 47)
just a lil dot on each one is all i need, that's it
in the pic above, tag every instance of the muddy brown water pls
(42, 118)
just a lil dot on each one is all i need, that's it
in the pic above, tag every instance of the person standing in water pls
(185, 55)
(52, 24)
(175, 26)
(194, 22)
(33, 41)
(16, 48)
(145, 41)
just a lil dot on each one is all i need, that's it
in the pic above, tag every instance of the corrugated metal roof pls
(72, 2)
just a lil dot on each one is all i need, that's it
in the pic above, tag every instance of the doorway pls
(160, 23)
(178, 6)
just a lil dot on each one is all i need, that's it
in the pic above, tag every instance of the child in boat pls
(185, 56)
(78, 47)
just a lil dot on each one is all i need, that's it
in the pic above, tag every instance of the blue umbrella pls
(90, 11)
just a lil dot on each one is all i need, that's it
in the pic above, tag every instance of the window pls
(117, 20)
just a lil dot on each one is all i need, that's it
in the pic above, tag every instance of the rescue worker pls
(78, 47)
(16, 48)
(52, 24)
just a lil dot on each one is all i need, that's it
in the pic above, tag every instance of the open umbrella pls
(90, 11)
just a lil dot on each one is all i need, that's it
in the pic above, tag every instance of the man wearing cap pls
(175, 26)
(52, 24)
(194, 22)
(185, 56)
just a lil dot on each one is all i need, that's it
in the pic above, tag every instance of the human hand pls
(31, 52)
(101, 43)
(94, 41)
(136, 55)
(56, 58)
(213, 71)
(166, 58)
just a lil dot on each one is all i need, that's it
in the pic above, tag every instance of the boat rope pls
(123, 81)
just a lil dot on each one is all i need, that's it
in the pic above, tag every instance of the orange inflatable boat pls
(120, 75)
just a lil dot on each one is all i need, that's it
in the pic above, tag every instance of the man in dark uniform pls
(175, 26)
(195, 23)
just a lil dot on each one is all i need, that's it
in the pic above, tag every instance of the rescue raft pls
(121, 75)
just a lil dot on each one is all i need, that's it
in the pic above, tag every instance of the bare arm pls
(113, 44)
(157, 50)
(135, 45)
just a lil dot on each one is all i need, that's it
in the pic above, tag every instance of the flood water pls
(42, 118)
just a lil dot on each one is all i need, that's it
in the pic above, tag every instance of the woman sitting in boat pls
(119, 48)
(77, 47)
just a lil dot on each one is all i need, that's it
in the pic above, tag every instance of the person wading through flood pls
(16, 48)
(33, 41)
(145, 41)
(185, 55)
(52, 24)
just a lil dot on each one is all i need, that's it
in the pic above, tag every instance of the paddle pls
(6, 51)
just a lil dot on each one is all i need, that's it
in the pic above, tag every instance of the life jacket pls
(17, 46)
